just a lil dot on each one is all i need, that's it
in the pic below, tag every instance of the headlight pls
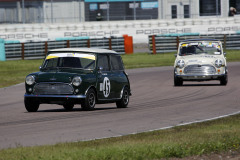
(218, 63)
(76, 81)
(180, 63)
(30, 80)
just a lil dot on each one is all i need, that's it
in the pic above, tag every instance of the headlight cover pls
(180, 63)
(77, 81)
(30, 80)
(218, 63)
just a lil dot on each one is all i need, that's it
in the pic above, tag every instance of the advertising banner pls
(138, 30)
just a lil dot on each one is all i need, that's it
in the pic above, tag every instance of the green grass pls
(143, 60)
(203, 138)
(233, 55)
(14, 72)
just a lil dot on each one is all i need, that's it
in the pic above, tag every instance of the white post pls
(80, 15)
(107, 10)
(134, 10)
(52, 11)
(23, 12)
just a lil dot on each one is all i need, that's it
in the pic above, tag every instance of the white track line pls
(168, 127)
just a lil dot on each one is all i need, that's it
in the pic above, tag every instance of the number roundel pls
(106, 87)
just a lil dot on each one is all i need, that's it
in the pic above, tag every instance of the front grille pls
(199, 70)
(53, 88)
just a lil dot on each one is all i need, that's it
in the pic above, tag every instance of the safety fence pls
(34, 50)
(169, 42)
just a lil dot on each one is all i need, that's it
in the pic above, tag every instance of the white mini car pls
(200, 60)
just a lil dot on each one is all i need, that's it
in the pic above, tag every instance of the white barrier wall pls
(138, 29)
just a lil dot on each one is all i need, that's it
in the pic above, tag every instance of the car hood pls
(200, 59)
(57, 76)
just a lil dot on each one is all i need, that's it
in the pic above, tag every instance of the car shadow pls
(76, 109)
(199, 85)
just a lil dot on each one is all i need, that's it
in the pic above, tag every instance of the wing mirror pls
(100, 69)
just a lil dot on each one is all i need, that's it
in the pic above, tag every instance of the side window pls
(116, 63)
(51, 63)
(103, 62)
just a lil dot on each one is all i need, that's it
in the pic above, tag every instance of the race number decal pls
(106, 87)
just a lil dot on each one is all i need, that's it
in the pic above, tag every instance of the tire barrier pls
(169, 42)
(35, 50)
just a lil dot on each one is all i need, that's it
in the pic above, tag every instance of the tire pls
(31, 105)
(177, 81)
(224, 80)
(68, 106)
(123, 103)
(89, 103)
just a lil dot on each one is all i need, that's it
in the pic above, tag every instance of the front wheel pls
(123, 103)
(224, 80)
(90, 101)
(31, 105)
(68, 106)
(177, 81)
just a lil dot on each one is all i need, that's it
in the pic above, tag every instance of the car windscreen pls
(205, 47)
(70, 60)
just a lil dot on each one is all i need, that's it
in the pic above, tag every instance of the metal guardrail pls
(116, 44)
(34, 50)
(169, 43)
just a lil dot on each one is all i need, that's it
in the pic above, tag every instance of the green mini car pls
(83, 76)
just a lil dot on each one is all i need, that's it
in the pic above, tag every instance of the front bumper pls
(201, 77)
(54, 96)
(55, 99)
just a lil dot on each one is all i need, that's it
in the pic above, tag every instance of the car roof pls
(85, 50)
(194, 40)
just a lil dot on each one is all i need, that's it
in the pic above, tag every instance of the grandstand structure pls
(48, 20)
(74, 11)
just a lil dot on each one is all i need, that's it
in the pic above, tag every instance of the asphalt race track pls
(155, 104)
